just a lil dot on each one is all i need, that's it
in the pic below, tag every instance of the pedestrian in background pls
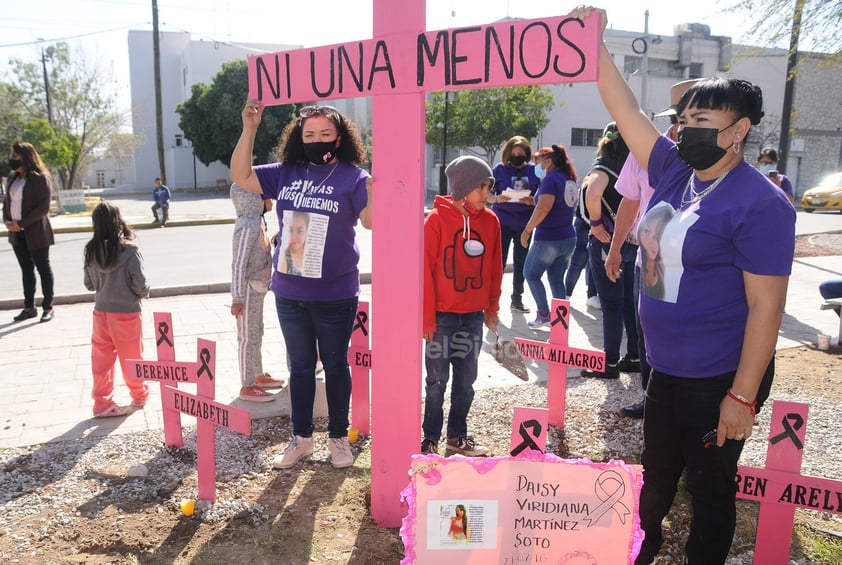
(462, 285)
(114, 271)
(26, 213)
(251, 273)
(161, 195)
(515, 171)
(317, 172)
(555, 238)
(767, 163)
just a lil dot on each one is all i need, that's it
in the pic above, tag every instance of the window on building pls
(657, 67)
(696, 70)
(179, 140)
(100, 179)
(585, 137)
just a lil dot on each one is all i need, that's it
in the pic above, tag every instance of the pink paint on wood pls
(359, 356)
(784, 453)
(397, 258)
(165, 344)
(205, 429)
(207, 409)
(529, 431)
(559, 356)
(783, 487)
(543, 51)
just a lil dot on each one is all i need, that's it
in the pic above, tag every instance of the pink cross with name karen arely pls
(397, 68)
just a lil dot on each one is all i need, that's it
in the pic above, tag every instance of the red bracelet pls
(742, 400)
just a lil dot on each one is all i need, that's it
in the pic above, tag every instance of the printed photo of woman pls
(459, 525)
(291, 261)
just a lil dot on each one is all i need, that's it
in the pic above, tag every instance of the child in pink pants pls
(114, 269)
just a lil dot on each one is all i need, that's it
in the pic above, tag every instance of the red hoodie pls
(463, 266)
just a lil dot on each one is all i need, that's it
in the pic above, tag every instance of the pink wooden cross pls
(359, 357)
(396, 69)
(559, 355)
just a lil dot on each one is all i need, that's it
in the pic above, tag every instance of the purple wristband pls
(595, 223)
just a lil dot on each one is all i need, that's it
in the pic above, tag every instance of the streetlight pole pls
(45, 54)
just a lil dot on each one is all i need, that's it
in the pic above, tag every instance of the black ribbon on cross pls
(789, 430)
(528, 440)
(204, 357)
(560, 316)
(360, 323)
(163, 331)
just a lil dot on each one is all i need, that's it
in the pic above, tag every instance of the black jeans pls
(509, 235)
(679, 412)
(29, 260)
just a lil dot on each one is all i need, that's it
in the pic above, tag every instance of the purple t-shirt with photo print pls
(317, 255)
(558, 223)
(693, 306)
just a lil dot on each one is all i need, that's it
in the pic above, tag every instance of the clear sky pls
(100, 27)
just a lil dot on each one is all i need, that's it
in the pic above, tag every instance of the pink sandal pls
(114, 411)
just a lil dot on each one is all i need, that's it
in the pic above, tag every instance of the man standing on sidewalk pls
(161, 195)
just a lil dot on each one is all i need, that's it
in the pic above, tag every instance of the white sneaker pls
(298, 448)
(340, 452)
(593, 302)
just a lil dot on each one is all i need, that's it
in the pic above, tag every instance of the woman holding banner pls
(317, 173)
(728, 248)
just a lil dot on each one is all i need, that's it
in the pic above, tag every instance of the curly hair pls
(351, 149)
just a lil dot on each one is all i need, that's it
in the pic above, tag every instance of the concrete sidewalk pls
(46, 367)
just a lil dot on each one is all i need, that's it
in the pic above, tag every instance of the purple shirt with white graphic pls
(514, 215)
(332, 199)
(694, 322)
(558, 223)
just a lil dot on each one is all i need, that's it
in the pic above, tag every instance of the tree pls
(82, 105)
(221, 104)
(819, 23)
(487, 118)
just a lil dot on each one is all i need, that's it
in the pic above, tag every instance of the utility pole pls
(789, 88)
(159, 113)
(47, 54)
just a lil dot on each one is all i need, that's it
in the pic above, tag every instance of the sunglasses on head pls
(327, 111)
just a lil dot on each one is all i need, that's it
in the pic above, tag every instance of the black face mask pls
(698, 148)
(320, 152)
(517, 160)
(15, 163)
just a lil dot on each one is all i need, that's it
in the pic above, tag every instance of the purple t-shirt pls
(558, 223)
(514, 215)
(317, 254)
(693, 306)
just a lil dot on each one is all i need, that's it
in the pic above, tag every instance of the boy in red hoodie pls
(462, 278)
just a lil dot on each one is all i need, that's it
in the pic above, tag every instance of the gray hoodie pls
(252, 262)
(123, 286)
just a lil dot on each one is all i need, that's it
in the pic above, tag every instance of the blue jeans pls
(551, 257)
(509, 235)
(327, 326)
(679, 412)
(831, 289)
(457, 342)
(617, 299)
(579, 259)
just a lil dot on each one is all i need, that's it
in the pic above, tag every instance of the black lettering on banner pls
(560, 316)
(508, 69)
(573, 46)
(381, 50)
(423, 48)
(455, 59)
(163, 331)
(361, 322)
(262, 72)
(528, 439)
(356, 77)
(331, 68)
(789, 430)
(543, 71)
(204, 357)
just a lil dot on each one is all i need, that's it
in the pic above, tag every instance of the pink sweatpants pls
(115, 334)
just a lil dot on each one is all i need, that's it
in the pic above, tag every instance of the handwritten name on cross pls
(359, 356)
(780, 487)
(396, 69)
(559, 355)
(208, 413)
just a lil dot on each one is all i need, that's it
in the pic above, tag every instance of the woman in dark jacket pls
(26, 210)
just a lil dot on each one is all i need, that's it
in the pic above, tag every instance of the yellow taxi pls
(826, 196)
